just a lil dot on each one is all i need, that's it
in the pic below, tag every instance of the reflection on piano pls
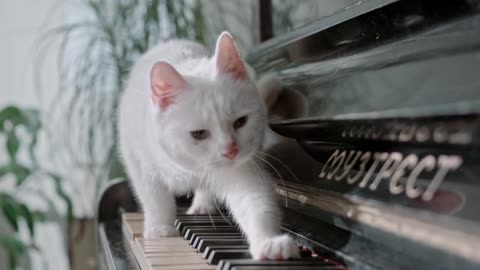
(382, 174)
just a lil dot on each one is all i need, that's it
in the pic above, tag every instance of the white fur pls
(163, 159)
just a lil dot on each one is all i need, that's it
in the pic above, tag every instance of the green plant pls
(12, 120)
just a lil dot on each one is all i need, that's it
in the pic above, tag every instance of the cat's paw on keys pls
(276, 248)
(159, 232)
(201, 209)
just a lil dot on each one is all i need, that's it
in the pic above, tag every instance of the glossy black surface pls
(329, 226)
(383, 171)
(389, 57)
(361, 26)
(455, 137)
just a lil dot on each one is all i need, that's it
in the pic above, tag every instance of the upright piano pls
(383, 171)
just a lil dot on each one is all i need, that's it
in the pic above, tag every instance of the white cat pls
(193, 122)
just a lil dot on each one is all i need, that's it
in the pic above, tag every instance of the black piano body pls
(383, 172)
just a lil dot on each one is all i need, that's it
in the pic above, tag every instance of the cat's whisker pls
(271, 166)
(220, 212)
(210, 174)
(277, 172)
(211, 220)
(281, 163)
(260, 172)
(256, 167)
(203, 176)
(153, 175)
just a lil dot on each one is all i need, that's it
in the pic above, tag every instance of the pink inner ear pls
(165, 84)
(227, 57)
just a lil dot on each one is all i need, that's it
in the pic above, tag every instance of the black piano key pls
(293, 267)
(207, 220)
(201, 218)
(206, 217)
(193, 218)
(197, 237)
(196, 244)
(193, 229)
(204, 243)
(182, 224)
(229, 264)
(224, 254)
(209, 249)
(221, 229)
(214, 235)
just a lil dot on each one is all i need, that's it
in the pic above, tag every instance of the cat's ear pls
(227, 58)
(165, 83)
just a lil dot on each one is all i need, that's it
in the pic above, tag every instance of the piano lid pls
(388, 57)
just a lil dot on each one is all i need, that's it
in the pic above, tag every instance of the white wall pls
(21, 25)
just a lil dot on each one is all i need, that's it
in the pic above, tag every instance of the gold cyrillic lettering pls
(364, 158)
(409, 162)
(348, 164)
(426, 163)
(387, 169)
(336, 157)
(445, 164)
(377, 157)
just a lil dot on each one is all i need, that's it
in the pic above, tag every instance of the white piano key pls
(175, 260)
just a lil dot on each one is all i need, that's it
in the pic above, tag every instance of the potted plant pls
(15, 210)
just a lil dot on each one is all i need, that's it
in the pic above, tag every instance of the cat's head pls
(213, 118)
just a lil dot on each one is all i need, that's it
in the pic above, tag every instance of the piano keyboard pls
(207, 242)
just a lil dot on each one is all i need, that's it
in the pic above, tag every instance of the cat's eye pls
(201, 134)
(240, 122)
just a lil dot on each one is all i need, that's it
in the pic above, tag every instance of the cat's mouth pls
(226, 163)
(229, 163)
(239, 160)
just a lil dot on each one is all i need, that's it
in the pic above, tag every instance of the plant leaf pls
(59, 189)
(12, 145)
(9, 210)
(40, 216)
(32, 120)
(12, 114)
(29, 217)
(21, 172)
(4, 170)
(14, 247)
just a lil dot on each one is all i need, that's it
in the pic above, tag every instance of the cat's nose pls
(231, 152)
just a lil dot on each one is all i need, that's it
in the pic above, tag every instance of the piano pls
(384, 170)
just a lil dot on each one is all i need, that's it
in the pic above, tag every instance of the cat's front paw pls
(201, 209)
(159, 232)
(276, 248)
